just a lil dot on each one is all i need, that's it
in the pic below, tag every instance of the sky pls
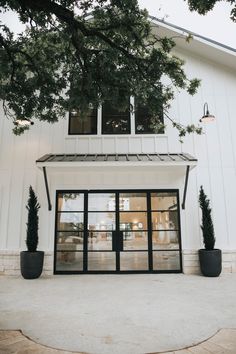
(215, 25)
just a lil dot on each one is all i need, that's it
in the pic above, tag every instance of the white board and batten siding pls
(215, 151)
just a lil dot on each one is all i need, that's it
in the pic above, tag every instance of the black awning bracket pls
(185, 186)
(47, 189)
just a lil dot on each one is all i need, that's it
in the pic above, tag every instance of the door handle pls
(120, 241)
(117, 241)
(114, 241)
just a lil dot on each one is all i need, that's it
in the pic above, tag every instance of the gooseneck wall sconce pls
(207, 117)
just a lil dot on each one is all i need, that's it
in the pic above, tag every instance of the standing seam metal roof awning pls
(78, 160)
(61, 160)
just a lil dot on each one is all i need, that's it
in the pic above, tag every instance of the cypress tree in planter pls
(32, 260)
(210, 258)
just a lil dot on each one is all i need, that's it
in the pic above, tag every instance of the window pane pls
(72, 241)
(133, 221)
(145, 121)
(113, 121)
(101, 221)
(133, 201)
(164, 201)
(83, 124)
(70, 221)
(165, 240)
(135, 240)
(134, 261)
(98, 240)
(69, 261)
(101, 261)
(166, 220)
(70, 202)
(101, 202)
(166, 260)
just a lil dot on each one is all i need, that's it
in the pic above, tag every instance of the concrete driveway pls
(120, 314)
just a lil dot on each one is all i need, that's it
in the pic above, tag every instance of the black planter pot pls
(210, 262)
(31, 264)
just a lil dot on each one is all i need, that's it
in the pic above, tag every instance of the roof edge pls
(211, 41)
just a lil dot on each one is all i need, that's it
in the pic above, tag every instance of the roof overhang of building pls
(199, 45)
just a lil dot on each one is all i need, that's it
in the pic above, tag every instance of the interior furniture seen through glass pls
(117, 231)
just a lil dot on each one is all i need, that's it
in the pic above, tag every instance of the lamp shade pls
(207, 117)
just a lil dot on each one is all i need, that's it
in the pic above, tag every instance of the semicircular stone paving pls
(15, 342)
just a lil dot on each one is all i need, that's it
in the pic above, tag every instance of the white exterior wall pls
(215, 151)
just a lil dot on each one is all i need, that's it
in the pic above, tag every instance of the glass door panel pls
(132, 201)
(70, 221)
(133, 221)
(133, 224)
(165, 220)
(99, 240)
(101, 221)
(101, 202)
(165, 231)
(101, 255)
(164, 201)
(69, 232)
(101, 261)
(135, 240)
(69, 261)
(164, 260)
(165, 240)
(133, 261)
(70, 201)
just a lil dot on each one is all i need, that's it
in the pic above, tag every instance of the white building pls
(116, 199)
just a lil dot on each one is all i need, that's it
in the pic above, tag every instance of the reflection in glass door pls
(117, 231)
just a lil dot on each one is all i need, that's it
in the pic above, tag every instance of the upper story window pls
(83, 124)
(145, 122)
(107, 120)
(114, 121)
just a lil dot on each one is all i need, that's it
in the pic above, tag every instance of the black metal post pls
(185, 187)
(47, 189)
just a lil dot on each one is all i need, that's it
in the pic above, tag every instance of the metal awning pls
(78, 160)
(73, 160)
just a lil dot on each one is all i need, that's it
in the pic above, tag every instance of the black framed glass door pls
(117, 231)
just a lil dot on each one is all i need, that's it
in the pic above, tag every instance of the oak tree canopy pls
(204, 6)
(80, 53)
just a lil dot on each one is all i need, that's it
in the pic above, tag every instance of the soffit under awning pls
(102, 160)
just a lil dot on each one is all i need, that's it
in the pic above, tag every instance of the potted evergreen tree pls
(31, 261)
(210, 258)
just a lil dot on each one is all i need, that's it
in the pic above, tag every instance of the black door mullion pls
(85, 255)
(117, 233)
(149, 215)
